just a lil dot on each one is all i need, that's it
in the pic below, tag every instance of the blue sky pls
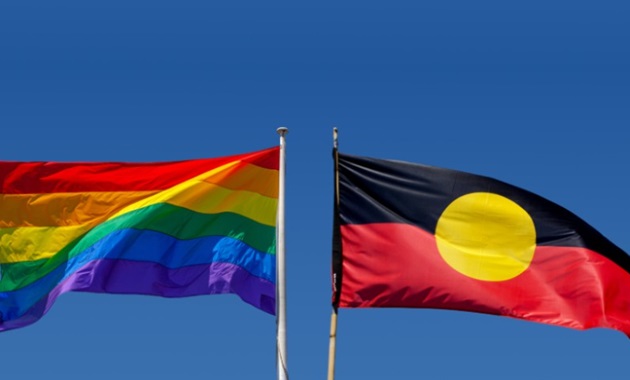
(534, 93)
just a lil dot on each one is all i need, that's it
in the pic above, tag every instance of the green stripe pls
(174, 221)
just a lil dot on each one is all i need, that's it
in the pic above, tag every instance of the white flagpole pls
(281, 306)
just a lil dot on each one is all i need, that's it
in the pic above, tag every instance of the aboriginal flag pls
(414, 236)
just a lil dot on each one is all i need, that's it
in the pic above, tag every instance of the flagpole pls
(281, 307)
(332, 346)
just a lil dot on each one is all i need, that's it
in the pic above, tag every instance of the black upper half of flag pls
(385, 191)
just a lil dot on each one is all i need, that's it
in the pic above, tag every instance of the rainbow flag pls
(170, 229)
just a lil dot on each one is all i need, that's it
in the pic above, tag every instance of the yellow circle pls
(486, 236)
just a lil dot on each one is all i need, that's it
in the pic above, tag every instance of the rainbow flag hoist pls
(170, 229)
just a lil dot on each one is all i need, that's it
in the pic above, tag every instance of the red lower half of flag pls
(399, 265)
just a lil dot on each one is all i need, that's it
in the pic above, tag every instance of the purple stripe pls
(135, 277)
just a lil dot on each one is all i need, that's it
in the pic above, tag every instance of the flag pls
(170, 229)
(414, 236)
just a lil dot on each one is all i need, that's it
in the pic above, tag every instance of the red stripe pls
(52, 177)
(397, 265)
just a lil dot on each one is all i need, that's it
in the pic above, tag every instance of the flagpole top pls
(335, 137)
(282, 131)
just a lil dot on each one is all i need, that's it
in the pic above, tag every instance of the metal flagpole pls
(332, 347)
(281, 307)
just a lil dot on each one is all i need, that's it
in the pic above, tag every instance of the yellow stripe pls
(67, 209)
(34, 243)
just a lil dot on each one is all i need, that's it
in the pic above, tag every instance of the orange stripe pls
(244, 176)
(64, 209)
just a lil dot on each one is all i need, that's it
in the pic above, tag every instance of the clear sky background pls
(535, 93)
